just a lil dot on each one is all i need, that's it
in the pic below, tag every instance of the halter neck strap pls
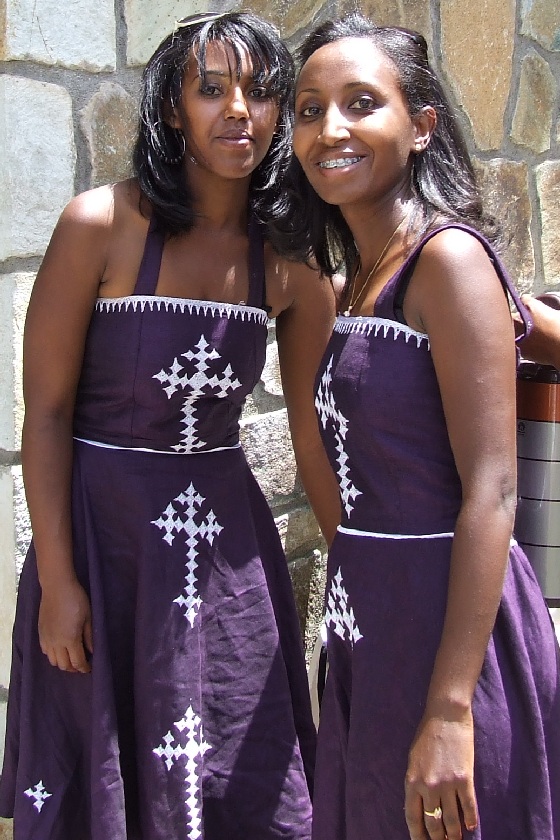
(257, 279)
(148, 273)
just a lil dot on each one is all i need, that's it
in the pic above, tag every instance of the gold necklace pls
(354, 300)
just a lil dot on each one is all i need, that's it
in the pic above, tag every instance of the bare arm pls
(57, 320)
(543, 343)
(459, 302)
(303, 330)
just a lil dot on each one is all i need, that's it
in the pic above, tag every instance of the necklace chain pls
(355, 300)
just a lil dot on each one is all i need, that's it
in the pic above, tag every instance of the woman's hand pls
(65, 626)
(439, 787)
(542, 345)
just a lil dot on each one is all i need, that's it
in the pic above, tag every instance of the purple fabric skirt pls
(385, 608)
(195, 720)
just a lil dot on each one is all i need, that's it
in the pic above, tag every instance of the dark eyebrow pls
(209, 72)
(349, 86)
(223, 74)
(359, 84)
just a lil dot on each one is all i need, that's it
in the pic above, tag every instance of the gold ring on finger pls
(436, 813)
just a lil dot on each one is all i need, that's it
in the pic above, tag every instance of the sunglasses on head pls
(195, 20)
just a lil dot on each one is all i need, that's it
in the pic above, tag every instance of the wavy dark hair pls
(443, 180)
(158, 151)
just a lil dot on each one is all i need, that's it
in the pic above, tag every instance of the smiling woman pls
(441, 711)
(354, 138)
(158, 687)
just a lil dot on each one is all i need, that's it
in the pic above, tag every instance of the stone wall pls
(68, 92)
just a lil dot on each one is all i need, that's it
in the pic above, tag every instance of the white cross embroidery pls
(198, 385)
(171, 522)
(192, 749)
(39, 794)
(338, 615)
(327, 410)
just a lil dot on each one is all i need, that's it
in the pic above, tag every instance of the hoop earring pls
(179, 138)
(414, 180)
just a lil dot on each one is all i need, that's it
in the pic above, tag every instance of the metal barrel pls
(537, 523)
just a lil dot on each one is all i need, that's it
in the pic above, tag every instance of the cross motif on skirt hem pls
(193, 748)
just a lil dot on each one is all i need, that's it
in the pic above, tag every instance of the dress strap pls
(400, 281)
(257, 280)
(148, 272)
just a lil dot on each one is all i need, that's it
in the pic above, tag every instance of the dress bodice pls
(382, 419)
(171, 374)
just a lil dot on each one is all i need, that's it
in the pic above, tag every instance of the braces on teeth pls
(334, 164)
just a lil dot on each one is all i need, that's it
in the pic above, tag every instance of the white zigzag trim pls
(339, 615)
(366, 325)
(327, 412)
(196, 307)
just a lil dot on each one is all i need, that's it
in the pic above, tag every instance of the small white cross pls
(39, 794)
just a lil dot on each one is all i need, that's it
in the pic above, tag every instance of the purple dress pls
(195, 721)
(381, 414)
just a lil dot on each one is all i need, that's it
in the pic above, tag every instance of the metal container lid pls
(534, 372)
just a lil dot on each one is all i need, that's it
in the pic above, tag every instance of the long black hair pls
(159, 148)
(443, 180)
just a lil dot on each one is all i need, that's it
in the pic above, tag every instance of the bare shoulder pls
(92, 224)
(82, 232)
(291, 271)
(455, 262)
(453, 248)
(454, 278)
(291, 284)
(93, 208)
(97, 209)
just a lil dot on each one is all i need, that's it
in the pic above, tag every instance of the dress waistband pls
(382, 536)
(156, 451)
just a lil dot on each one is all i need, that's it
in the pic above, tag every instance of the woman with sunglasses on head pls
(441, 711)
(158, 688)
